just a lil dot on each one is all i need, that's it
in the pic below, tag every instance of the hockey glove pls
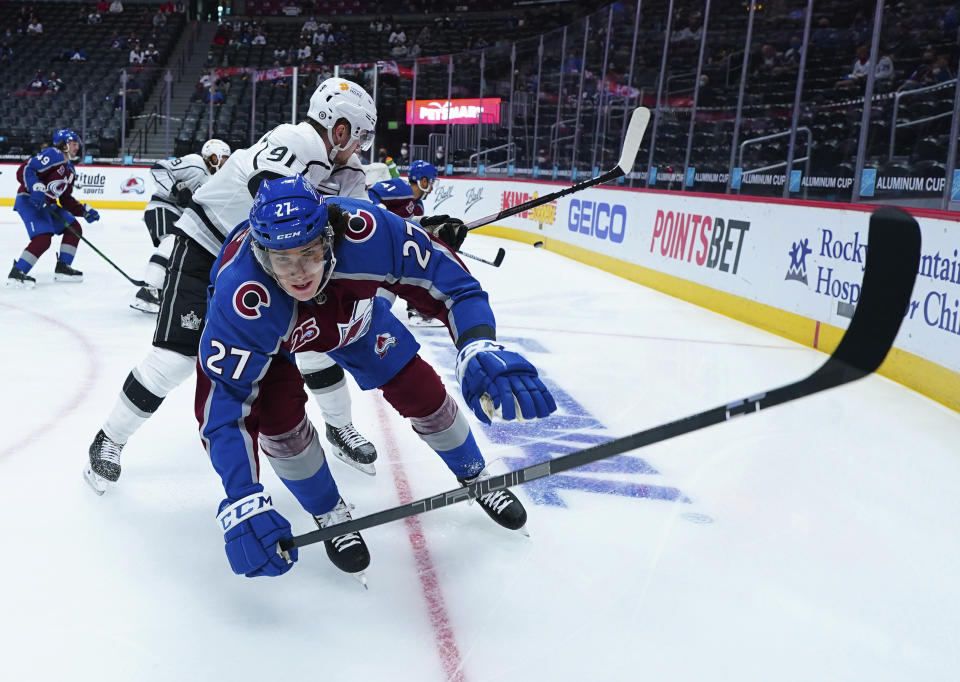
(451, 231)
(500, 383)
(182, 195)
(251, 530)
(38, 195)
(89, 214)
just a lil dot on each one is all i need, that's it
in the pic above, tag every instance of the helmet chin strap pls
(334, 147)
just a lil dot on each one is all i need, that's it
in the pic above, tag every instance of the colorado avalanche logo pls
(360, 226)
(57, 187)
(133, 184)
(384, 342)
(249, 298)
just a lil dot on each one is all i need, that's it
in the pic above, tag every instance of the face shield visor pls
(293, 268)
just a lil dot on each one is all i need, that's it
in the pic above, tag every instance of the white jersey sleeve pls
(349, 180)
(189, 171)
(224, 202)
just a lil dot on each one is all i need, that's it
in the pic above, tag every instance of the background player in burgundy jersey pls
(46, 205)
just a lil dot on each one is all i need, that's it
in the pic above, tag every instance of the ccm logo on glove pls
(241, 510)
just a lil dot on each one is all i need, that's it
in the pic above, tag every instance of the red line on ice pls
(82, 387)
(429, 583)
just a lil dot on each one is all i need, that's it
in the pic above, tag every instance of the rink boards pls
(787, 266)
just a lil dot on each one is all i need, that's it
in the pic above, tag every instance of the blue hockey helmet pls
(423, 174)
(292, 235)
(422, 169)
(64, 135)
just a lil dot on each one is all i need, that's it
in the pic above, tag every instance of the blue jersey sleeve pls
(390, 190)
(45, 160)
(248, 317)
(381, 246)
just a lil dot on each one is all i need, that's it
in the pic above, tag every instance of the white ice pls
(814, 541)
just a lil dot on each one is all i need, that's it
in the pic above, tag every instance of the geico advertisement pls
(801, 259)
(132, 184)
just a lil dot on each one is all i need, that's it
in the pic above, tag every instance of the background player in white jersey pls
(341, 118)
(176, 181)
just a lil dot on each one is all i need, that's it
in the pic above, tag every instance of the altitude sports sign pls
(466, 111)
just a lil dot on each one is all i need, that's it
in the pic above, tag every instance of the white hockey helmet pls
(337, 98)
(215, 148)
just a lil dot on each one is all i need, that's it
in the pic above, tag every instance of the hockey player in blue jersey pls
(46, 205)
(302, 274)
(405, 198)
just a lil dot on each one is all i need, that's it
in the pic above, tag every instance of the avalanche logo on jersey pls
(57, 187)
(133, 184)
(249, 298)
(384, 342)
(358, 324)
(360, 226)
(305, 332)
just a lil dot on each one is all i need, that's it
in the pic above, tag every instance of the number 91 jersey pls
(224, 201)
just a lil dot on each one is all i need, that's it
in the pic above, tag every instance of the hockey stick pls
(135, 282)
(495, 262)
(631, 145)
(893, 257)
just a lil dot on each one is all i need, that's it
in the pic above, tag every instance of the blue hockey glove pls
(38, 194)
(89, 214)
(501, 383)
(251, 530)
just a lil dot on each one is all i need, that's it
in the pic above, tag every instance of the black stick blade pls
(893, 258)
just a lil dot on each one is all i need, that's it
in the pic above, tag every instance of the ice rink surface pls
(815, 541)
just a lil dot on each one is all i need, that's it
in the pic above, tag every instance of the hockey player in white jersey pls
(176, 181)
(341, 119)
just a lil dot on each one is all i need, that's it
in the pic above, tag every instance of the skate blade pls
(67, 278)
(368, 469)
(148, 308)
(96, 482)
(523, 531)
(361, 578)
(12, 284)
(429, 322)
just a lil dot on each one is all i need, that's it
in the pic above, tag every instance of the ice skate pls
(350, 447)
(104, 467)
(20, 280)
(348, 552)
(147, 300)
(415, 319)
(65, 273)
(500, 505)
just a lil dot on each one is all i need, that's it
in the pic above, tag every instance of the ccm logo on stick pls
(602, 220)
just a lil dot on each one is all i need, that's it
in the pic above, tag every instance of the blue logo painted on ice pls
(569, 429)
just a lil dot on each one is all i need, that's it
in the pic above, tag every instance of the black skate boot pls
(147, 300)
(348, 552)
(352, 448)
(65, 273)
(500, 505)
(20, 280)
(104, 467)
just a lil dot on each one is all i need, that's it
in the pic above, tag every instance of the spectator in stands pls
(34, 28)
(692, 31)
(823, 36)
(397, 36)
(94, 17)
(54, 83)
(78, 55)
(116, 7)
(922, 76)
(134, 95)
(404, 154)
(769, 61)
(861, 67)
(414, 50)
(136, 54)
(791, 58)
(38, 83)
(885, 72)
(303, 52)
(159, 19)
(859, 32)
(216, 96)
(309, 26)
(280, 55)
(706, 95)
(572, 64)
(116, 42)
(151, 55)
(259, 38)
